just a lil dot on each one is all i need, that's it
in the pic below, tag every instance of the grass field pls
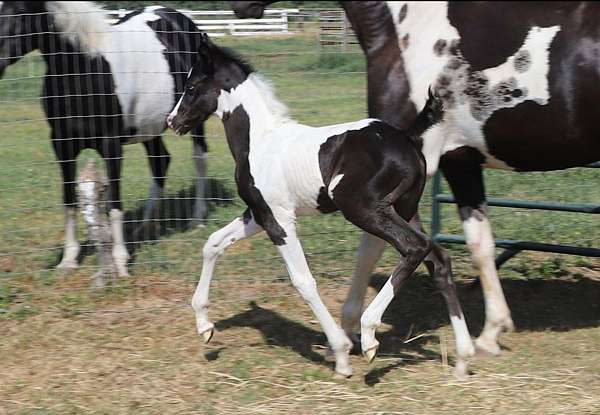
(133, 347)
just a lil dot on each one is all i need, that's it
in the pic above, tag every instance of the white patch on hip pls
(334, 182)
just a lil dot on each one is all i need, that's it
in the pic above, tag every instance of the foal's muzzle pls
(177, 124)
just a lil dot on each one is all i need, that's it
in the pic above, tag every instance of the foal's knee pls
(212, 248)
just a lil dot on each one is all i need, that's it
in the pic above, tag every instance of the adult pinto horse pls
(520, 82)
(106, 86)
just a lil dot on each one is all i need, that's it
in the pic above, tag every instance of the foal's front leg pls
(216, 244)
(302, 279)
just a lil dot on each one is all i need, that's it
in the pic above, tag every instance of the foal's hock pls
(371, 172)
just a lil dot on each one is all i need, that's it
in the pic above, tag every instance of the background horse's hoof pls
(67, 266)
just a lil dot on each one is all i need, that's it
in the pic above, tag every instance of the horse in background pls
(107, 86)
(520, 82)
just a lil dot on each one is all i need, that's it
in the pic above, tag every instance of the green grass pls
(133, 347)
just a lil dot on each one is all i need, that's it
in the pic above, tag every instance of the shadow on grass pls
(280, 331)
(175, 215)
(537, 305)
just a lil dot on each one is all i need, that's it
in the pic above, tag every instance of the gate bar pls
(513, 247)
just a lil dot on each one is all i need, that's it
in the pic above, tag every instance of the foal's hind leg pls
(413, 245)
(439, 265)
(216, 244)
(159, 159)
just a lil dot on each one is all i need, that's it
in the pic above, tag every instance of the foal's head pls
(216, 70)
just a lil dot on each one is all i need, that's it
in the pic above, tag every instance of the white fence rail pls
(224, 23)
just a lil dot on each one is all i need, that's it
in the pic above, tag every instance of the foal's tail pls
(432, 113)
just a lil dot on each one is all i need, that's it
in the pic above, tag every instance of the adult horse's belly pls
(141, 73)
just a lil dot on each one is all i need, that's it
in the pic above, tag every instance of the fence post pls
(344, 31)
(284, 16)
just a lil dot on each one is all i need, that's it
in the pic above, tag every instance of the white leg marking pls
(480, 241)
(369, 251)
(213, 248)
(371, 319)
(334, 182)
(464, 345)
(120, 254)
(71, 247)
(304, 282)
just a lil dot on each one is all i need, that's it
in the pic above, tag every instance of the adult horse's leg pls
(159, 159)
(462, 169)
(66, 151)
(112, 152)
(216, 244)
(199, 154)
(369, 252)
(303, 281)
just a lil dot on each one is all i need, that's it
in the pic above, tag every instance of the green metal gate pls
(513, 247)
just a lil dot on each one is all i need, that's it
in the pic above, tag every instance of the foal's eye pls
(190, 88)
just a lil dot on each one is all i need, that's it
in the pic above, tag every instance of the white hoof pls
(206, 331)
(344, 371)
(487, 347)
(461, 370)
(207, 335)
(123, 272)
(68, 265)
(342, 364)
(371, 352)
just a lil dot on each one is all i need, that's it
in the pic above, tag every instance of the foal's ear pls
(205, 52)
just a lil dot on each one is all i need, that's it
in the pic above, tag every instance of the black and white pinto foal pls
(373, 173)
(106, 86)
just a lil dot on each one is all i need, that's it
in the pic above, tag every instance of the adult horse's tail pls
(431, 114)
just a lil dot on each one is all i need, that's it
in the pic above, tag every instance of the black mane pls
(230, 55)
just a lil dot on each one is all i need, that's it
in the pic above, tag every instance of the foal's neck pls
(263, 113)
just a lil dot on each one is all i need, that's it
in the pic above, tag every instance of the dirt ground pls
(139, 353)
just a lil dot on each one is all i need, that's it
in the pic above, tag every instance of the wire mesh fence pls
(320, 84)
